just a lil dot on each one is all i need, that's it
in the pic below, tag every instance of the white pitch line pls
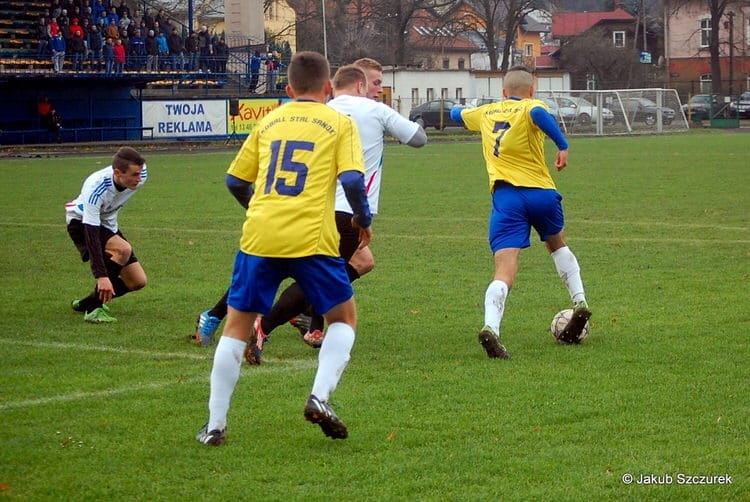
(104, 348)
(232, 231)
(275, 366)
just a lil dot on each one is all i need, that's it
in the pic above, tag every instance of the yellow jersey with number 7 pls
(512, 144)
(294, 156)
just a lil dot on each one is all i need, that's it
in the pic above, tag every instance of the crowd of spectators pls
(106, 36)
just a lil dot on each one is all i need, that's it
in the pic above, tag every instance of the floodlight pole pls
(325, 37)
(731, 52)
(191, 12)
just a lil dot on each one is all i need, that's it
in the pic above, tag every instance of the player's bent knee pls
(120, 252)
(138, 284)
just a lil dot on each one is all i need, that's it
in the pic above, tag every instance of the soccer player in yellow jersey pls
(523, 196)
(293, 157)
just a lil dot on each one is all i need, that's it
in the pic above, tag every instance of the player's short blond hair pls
(518, 80)
(348, 75)
(368, 63)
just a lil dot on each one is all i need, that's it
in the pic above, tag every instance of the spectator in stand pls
(113, 31)
(102, 20)
(213, 60)
(272, 71)
(138, 19)
(137, 51)
(161, 41)
(64, 23)
(52, 28)
(191, 47)
(204, 49)
(98, 9)
(176, 50)
(55, 9)
(120, 58)
(123, 10)
(57, 46)
(152, 52)
(78, 49)
(108, 54)
(88, 15)
(148, 18)
(86, 27)
(157, 28)
(255, 61)
(95, 44)
(162, 19)
(43, 37)
(125, 22)
(222, 56)
(113, 17)
(125, 45)
(75, 13)
(75, 28)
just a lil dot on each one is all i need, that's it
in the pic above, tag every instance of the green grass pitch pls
(660, 388)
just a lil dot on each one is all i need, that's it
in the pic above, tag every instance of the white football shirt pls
(373, 120)
(100, 201)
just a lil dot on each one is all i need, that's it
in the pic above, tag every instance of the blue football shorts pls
(515, 210)
(256, 280)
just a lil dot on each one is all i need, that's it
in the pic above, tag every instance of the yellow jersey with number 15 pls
(294, 156)
(512, 144)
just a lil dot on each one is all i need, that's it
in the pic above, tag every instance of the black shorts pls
(349, 235)
(78, 236)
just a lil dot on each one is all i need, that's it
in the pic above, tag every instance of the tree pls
(515, 11)
(717, 9)
(612, 67)
(483, 20)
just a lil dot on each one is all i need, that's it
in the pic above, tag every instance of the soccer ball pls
(561, 320)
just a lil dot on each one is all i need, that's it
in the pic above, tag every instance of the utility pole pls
(730, 15)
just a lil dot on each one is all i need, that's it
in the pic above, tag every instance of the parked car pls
(701, 106)
(640, 110)
(584, 112)
(742, 106)
(563, 115)
(428, 114)
(474, 102)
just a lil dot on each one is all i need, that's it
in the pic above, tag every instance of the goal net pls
(621, 111)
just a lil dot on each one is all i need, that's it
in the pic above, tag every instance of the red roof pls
(566, 24)
(427, 32)
(545, 62)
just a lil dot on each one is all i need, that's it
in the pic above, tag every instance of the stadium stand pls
(17, 33)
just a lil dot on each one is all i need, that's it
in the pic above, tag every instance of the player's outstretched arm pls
(456, 114)
(547, 123)
(419, 139)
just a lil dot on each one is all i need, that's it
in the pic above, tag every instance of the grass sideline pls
(659, 224)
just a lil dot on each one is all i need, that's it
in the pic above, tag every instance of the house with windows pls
(530, 37)
(438, 45)
(688, 27)
(616, 28)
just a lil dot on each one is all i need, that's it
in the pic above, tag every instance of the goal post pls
(617, 111)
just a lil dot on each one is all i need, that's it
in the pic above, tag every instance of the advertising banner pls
(251, 111)
(185, 119)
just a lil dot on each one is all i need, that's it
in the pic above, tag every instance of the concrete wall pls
(409, 88)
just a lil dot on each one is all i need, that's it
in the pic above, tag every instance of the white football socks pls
(494, 304)
(224, 375)
(570, 273)
(333, 359)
